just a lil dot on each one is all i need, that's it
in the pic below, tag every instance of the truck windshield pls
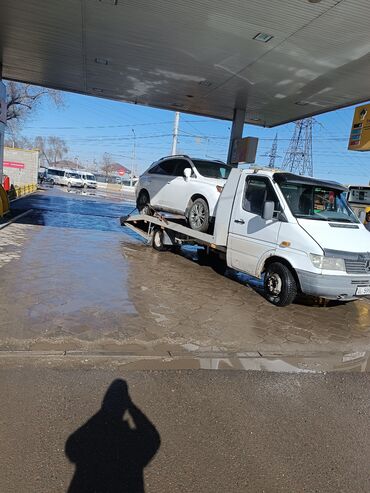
(312, 202)
(212, 169)
(90, 177)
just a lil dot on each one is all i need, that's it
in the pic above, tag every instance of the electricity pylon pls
(273, 153)
(298, 158)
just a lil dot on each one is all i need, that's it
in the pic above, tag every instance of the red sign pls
(121, 172)
(13, 164)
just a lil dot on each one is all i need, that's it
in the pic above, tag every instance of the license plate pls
(362, 290)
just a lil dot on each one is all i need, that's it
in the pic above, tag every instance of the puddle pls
(163, 359)
(348, 362)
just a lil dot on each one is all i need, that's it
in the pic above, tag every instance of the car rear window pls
(212, 169)
(163, 168)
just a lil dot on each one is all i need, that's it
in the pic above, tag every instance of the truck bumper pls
(331, 287)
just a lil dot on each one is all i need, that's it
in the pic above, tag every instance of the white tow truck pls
(296, 233)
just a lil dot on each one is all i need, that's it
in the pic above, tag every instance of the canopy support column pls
(236, 130)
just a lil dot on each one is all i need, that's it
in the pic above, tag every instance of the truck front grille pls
(357, 266)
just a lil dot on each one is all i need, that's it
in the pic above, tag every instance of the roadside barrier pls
(4, 202)
(14, 193)
(17, 191)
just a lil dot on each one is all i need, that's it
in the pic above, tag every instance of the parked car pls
(68, 178)
(183, 185)
(88, 180)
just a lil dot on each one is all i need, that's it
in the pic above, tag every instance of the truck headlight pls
(327, 263)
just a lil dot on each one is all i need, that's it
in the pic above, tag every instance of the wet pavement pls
(84, 302)
(72, 279)
(219, 432)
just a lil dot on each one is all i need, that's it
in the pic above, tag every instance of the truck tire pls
(198, 216)
(157, 240)
(280, 285)
(143, 203)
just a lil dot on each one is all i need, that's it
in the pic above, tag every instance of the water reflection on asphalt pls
(76, 280)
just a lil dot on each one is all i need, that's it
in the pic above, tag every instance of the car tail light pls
(219, 188)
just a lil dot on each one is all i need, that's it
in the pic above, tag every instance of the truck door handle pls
(240, 221)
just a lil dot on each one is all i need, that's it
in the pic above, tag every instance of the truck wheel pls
(198, 216)
(157, 240)
(280, 285)
(143, 204)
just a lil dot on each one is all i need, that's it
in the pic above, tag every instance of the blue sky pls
(92, 126)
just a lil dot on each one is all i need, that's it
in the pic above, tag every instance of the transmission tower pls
(298, 158)
(273, 153)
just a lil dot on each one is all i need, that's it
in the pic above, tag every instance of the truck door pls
(251, 236)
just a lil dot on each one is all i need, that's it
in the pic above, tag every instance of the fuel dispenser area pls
(359, 199)
(359, 140)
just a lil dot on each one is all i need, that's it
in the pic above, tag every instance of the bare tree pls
(19, 141)
(107, 164)
(21, 99)
(52, 149)
(57, 148)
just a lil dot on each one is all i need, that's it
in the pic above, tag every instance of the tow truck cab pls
(299, 233)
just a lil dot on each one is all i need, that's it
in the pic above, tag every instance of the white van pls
(297, 234)
(88, 179)
(65, 177)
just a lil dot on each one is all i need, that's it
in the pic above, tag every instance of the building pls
(21, 166)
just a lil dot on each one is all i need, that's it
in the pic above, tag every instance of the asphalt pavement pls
(195, 431)
(108, 352)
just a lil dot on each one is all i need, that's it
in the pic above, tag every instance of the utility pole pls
(298, 158)
(175, 133)
(133, 158)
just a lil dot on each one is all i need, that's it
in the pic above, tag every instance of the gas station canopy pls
(282, 59)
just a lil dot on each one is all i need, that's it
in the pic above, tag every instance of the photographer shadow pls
(112, 448)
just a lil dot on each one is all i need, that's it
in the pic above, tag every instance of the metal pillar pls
(2, 124)
(236, 130)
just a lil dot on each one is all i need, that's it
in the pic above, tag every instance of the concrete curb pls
(310, 363)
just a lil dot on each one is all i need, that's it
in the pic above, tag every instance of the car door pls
(251, 237)
(177, 191)
(156, 180)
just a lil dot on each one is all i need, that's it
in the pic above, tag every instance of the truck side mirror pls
(268, 210)
(187, 173)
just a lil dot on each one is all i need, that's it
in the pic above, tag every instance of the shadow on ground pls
(110, 452)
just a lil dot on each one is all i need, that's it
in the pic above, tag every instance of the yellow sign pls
(359, 139)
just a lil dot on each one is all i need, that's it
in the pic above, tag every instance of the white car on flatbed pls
(183, 185)
(298, 234)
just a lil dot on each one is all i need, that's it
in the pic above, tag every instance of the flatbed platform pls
(175, 230)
